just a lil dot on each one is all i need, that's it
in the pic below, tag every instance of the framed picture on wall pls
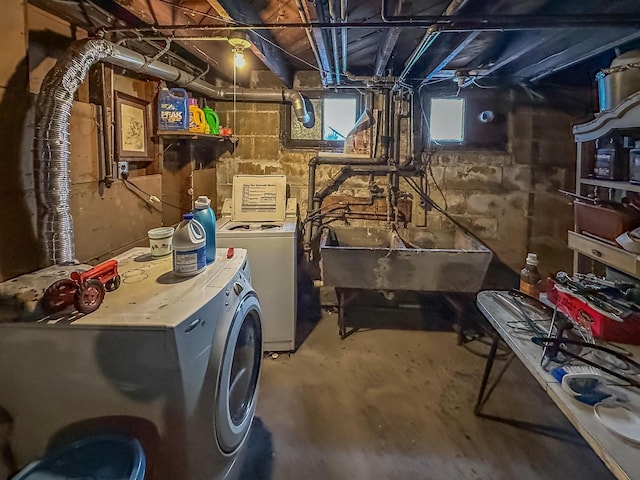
(132, 123)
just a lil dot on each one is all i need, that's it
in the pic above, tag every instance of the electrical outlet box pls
(123, 167)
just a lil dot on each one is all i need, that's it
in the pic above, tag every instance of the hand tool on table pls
(593, 297)
(512, 305)
(554, 344)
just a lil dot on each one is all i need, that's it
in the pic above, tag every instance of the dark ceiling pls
(564, 55)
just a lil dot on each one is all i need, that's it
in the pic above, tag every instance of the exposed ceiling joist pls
(162, 13)
(316, 44)
(264, 46)
(316, 14)
(452, 54)
(575, 53)
(387, 47)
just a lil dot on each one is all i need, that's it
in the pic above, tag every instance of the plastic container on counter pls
(212, 119)
(160, 241)
(197, 122)
(189, 247)
(203, 213)
(173, 109)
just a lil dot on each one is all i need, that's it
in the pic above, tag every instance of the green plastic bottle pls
(212, 119)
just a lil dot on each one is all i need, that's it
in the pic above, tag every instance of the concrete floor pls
(397, 404)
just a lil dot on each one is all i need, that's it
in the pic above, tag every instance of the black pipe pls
(313, 164)
(409, 170)
(315, 225)
(334, 42)
(311, 188)
(333, 185)
(389, 44)
(448, 23)
(346, 160)
(385, 139)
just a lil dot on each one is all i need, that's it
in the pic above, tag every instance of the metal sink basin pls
(417, 260)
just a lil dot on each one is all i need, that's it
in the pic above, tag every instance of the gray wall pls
(508, 197)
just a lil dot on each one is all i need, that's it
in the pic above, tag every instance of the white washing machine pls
(259, 218)
(172, 361)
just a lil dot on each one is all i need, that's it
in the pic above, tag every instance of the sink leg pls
(341, 321)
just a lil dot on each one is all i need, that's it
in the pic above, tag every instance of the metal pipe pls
(131, 60)
(53, 110)
(377, 170)
(389, 44)
(334, 42)
(412, 125)
(397, 117)
(448, 23)
(371, 79)
(52, 148)
(343, 33)
(426, 42)
(453, 54)
(311, 188)
(386, 125)
(312, 42)
(429, 38)
(344, 160)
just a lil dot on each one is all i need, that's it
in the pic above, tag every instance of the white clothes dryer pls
(172, 361)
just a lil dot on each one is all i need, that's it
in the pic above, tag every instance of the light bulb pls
(238, 59)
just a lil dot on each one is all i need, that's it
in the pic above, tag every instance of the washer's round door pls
(239, 373)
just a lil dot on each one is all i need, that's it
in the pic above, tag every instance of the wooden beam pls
(389, 44)
(157, 12)
(316, 41)
(263, 43)
(568, 53)
(433, 70)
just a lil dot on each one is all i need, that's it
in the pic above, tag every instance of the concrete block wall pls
(508, 197)
(258, 151)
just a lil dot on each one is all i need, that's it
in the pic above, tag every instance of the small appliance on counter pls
(612, 159)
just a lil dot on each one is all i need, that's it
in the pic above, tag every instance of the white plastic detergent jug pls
(189, 247)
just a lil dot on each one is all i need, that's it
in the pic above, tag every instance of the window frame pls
(484, 137)
(285, 121)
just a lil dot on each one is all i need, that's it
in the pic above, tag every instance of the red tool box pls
(602, 325)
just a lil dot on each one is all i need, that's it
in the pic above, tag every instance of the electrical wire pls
(438, 208)
(242, 24)
(429, 168)
(481, 86)
(128, 182)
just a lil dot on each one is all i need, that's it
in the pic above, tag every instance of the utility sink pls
(379, 259)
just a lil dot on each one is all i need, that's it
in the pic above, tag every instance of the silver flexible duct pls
(53, 110)
(51, 162)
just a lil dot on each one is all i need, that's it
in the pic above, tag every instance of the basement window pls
(335, 117)
(338, 118)
(446, 120)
